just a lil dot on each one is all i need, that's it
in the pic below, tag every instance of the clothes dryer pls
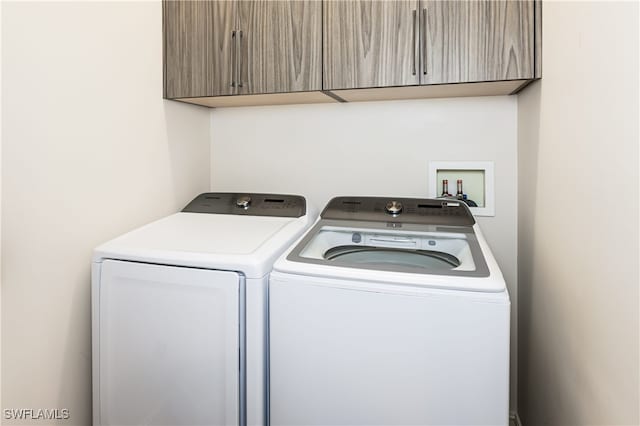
(180, 312)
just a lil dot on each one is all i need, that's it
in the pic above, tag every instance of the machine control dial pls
(243, 202)
(394, 207)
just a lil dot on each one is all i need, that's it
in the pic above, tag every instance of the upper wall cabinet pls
(370, 43)
(198, 48)
(280, 46)
(264, 52)
(472, 41)
(216, 48)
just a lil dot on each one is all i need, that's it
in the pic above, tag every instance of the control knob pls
(243, 202)
(394, 207)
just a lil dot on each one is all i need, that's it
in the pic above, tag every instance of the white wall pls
(578, 220)
(90, 150)
(1, 44)
(378, 148)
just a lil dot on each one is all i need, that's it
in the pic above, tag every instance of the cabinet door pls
(468, 41)
(198, 57)
(370, 44)
(280, 46)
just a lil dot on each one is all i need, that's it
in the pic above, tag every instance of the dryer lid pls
(203, 234)
(241, 232)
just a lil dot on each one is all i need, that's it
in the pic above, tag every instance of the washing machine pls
(179, 312)
(389, 312)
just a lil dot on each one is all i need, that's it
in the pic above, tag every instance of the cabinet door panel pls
(467, 41)
(370, 44)
(280, 47)
(198, 48)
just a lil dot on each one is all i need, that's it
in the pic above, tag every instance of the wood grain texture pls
(198, 47)
(369, 43)
(281, 46)
(485, 40)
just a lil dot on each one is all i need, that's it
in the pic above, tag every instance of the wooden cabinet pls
(378, 44)
(198, 48)
(262, 52)
(370, 44)
(475, 41)
(280, 46)
(216, 48)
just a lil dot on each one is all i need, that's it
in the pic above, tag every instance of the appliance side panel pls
(95, 341)
(256, 345)
(342, 356)
(168, 345)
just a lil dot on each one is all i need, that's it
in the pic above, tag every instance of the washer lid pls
(419, 249)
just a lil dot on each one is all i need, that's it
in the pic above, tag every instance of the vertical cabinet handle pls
(233, 57)
(413, 43)
(241, 62)
(424, 41)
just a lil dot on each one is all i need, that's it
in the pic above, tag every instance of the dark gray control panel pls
(248, 204)
(425, 211)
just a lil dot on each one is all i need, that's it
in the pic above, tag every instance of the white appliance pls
(389, 312)
(179, 312)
